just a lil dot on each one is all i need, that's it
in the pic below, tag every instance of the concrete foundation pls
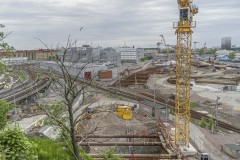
(188, 151)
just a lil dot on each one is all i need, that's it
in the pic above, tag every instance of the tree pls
(207, 51)
(63, 114)
(210, 123)
(203, 122)
(232, 55)
(3, 45)
(201, 51)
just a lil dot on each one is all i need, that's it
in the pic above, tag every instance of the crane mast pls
(183, 70)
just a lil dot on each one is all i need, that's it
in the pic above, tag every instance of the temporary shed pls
(232, 149)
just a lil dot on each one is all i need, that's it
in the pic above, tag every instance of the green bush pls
(84, 155)
(109, 154)
(210, 123)
(4, 108)
(145, 58)
(203, 123)
(17, 145)
(2, 153)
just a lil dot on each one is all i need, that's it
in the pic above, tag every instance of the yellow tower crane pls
(183, 69)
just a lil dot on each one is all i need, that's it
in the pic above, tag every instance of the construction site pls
(186, 106)
(176, 107)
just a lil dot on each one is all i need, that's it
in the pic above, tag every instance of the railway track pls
(194, 114)
(161, 99)
(31, 89)
(29, 81)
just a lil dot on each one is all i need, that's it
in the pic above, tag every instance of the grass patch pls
(20, 74)
(194, 105)
(51, 150)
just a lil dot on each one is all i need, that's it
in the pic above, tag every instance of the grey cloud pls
(112, 22)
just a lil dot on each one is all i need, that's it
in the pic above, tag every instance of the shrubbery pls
(16, 145)
(47, 149)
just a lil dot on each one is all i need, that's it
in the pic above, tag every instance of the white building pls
(14, 60)
(223, 52)
(130, 54)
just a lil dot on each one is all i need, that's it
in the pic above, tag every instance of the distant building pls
(140, 53)
(237, 56)
(150, 52)
(80, 54)
(110, 55)
(223, 52)
(128, 54)
(226, 43)
(14, 60)
(7, 54)
(39, 54)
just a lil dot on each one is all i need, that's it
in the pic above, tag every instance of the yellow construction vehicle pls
(124, 112)
(183, 69)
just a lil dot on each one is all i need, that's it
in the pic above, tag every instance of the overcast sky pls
(113, 22)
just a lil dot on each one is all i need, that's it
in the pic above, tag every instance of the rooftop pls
(233, 147)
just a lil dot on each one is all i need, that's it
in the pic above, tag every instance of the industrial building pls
(151, 52)
(232, 149)
(83, 54)
(89, 71)
(110, 55)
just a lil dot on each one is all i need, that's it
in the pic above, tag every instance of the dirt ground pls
(109, 123)
(205, 95)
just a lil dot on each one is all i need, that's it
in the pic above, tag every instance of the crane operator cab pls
(184, 14)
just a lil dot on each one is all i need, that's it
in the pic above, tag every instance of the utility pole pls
(154, 90)
(167, 110)
(215, 113)
(135, 86)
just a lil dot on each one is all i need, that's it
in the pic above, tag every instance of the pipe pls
(120, 143)
(117, 136)
(153, 156)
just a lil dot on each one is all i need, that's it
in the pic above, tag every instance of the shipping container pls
(88, 75)
(103, 75)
